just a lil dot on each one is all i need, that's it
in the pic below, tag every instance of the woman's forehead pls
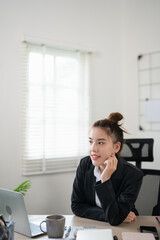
(98, 132)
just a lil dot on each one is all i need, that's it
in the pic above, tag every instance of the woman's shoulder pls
(86, 163)
(130, 168)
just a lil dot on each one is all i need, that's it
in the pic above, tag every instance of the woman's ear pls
(117, 147)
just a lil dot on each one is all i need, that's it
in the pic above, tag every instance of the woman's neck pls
(101, 168)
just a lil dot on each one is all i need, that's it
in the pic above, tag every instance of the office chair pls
(141, 150)
(138, 150)
(147, 200)
(156, 208)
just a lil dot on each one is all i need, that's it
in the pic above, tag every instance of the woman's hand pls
(130, 218)
(110, 168)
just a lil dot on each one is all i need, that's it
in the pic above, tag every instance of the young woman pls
(106, 186)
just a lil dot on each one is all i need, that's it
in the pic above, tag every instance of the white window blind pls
(55, 109)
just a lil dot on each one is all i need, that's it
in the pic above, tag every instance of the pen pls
(2, 218)
(157, 220)
(2, 226)
(68, 231)
(115, 237)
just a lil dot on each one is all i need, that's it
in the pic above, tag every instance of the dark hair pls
(112, 127)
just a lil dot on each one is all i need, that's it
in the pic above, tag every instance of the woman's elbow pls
(115, 222)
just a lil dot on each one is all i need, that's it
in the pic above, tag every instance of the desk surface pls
(124, 227)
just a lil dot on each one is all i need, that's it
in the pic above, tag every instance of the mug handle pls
(41, 227)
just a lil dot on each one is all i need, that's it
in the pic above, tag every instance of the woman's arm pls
(82, 204)
(118, 208)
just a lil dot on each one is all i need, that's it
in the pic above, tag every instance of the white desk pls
(124, 227)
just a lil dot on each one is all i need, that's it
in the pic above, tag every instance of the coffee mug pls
(55, 225)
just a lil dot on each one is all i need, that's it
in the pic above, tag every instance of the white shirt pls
(97, 174)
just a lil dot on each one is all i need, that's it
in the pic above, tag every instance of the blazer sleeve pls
(80, 203)
(117, 207)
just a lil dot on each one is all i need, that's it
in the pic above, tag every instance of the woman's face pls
(101, 146)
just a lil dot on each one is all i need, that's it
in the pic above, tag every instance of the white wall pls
(88, 24)
(141, 25)
(116, 32)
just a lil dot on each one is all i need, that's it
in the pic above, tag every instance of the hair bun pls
(115, 117)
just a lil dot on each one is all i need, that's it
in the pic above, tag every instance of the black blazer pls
(117, 195)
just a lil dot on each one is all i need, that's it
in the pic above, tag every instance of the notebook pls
(137, 236)
(13, 208)
(94, 234)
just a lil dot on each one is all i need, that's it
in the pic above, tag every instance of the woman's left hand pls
(130, 218)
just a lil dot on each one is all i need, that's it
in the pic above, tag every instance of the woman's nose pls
(94, 147)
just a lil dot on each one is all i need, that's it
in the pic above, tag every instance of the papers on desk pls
(94, 234)
(137, 236)
(75, 229)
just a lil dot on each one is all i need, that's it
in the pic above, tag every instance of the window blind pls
(55, 108)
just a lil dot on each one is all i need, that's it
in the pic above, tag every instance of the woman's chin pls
(95, 163)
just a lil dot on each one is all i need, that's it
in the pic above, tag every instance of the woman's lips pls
(94, 157)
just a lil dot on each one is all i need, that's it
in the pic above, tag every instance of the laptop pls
(13, 208)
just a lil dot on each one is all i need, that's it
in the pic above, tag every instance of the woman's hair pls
(112, 127)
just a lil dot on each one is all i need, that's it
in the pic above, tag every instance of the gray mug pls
(55, 225)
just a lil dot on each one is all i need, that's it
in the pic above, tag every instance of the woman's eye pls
(90, 141)
(100, 143)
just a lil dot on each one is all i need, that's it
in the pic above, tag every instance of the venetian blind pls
(55, 108)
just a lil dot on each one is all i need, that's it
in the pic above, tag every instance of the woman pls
(106, 186)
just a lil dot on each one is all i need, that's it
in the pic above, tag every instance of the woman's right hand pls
(110, 168)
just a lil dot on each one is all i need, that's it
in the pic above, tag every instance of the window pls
(55, 109)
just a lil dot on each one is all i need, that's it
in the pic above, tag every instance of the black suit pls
(117, 195)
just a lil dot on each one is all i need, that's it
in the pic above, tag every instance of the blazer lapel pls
(89, 185)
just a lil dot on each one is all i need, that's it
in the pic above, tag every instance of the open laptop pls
(13, 208)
